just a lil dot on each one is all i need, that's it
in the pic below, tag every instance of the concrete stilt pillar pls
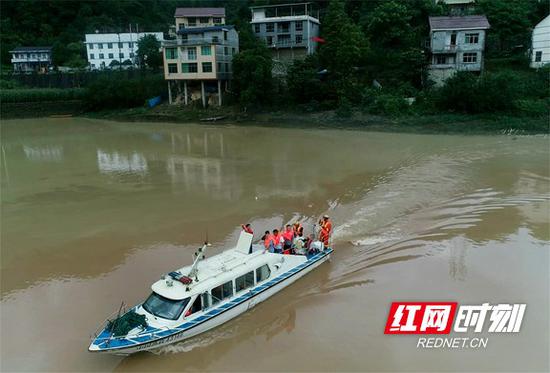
(185, 91)
(219, 92)
(169, 93)
(203, 95)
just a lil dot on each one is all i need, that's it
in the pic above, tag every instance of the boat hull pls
(252, 298)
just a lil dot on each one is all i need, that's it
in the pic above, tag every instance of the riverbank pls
(434, 123)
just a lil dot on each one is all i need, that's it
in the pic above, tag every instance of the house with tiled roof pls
(456, 44)
(31, 59)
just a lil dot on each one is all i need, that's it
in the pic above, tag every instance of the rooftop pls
(459, 23)
(198, 30)
(277, 5)
(200, 12)
(32, 49)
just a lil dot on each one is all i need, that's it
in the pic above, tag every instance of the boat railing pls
(105, 322)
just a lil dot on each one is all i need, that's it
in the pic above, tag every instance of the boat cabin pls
(217, 280)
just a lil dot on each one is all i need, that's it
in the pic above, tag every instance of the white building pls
(103, 49)
(31, 59)
(540, 48)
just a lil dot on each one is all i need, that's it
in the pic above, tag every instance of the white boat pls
(208, 293)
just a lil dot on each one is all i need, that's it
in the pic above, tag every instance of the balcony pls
(29, 59)
(189, 42)
(287, 44)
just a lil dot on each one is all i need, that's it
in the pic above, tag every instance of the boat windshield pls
(164, 307)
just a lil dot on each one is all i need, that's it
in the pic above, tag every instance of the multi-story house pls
(201, 54)
(540, 47)
(31, 59)
(458, 7)
(290, 30)
(456, 44)
(106, 51)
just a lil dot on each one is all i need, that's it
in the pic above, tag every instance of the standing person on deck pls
(269, 242)
(326, 230)
(248, 229)
(288, 236)
(279, 241)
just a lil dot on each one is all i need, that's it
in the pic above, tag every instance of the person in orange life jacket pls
(288, 236)
(326, 230)
(278, 241)
(298, 229)
(269, 242)
(248, 229)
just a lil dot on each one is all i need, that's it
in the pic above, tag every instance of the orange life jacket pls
(269, 238)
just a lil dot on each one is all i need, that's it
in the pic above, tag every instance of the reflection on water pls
(114, 162)
(93, 212)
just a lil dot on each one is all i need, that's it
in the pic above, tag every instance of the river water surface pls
(93, 212)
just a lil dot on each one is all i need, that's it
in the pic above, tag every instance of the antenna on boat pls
(200, 254)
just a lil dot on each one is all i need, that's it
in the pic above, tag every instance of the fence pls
(75, 79)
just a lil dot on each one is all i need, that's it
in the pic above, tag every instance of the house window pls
(226, 51)
(245, 281)
(469, 57)
(91, 45)
(207, 67)
(283, 26)
(203, 20)
(171, 53)
(111, 55)
(92, 65)
(109, 45)
(220, 67)
(538, 56)
(440, 60)
(227, 68)
(299, 39)
(130, 45)
(91, 56)
(283, 39)
(225, 35)
(172, 68)
(192, 21)
(121, 55)
(222, 292)
(217, 21)
(256, 28)
(471, 38)
(299, 26)
(131, 54)
(192, 53)
(215, 39)
(233, 51)
(120, 45)
(189, 67)
(269, 27)
(101, 56)
(206, 50)
(100, 46)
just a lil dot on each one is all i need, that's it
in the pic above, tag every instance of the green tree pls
(252, 78)
(148, 51)
(511, 24)
(345, 45)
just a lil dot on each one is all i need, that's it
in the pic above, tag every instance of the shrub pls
(109, 93)
(379, 101)
(533, 107)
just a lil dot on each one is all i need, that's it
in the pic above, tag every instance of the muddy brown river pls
(93, 212)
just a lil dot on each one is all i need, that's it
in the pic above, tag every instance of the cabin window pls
(244, 281)
(262, 273)
(163, 307)
(538, 56)
(471, 38)
(221, 292)
(195, 307)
